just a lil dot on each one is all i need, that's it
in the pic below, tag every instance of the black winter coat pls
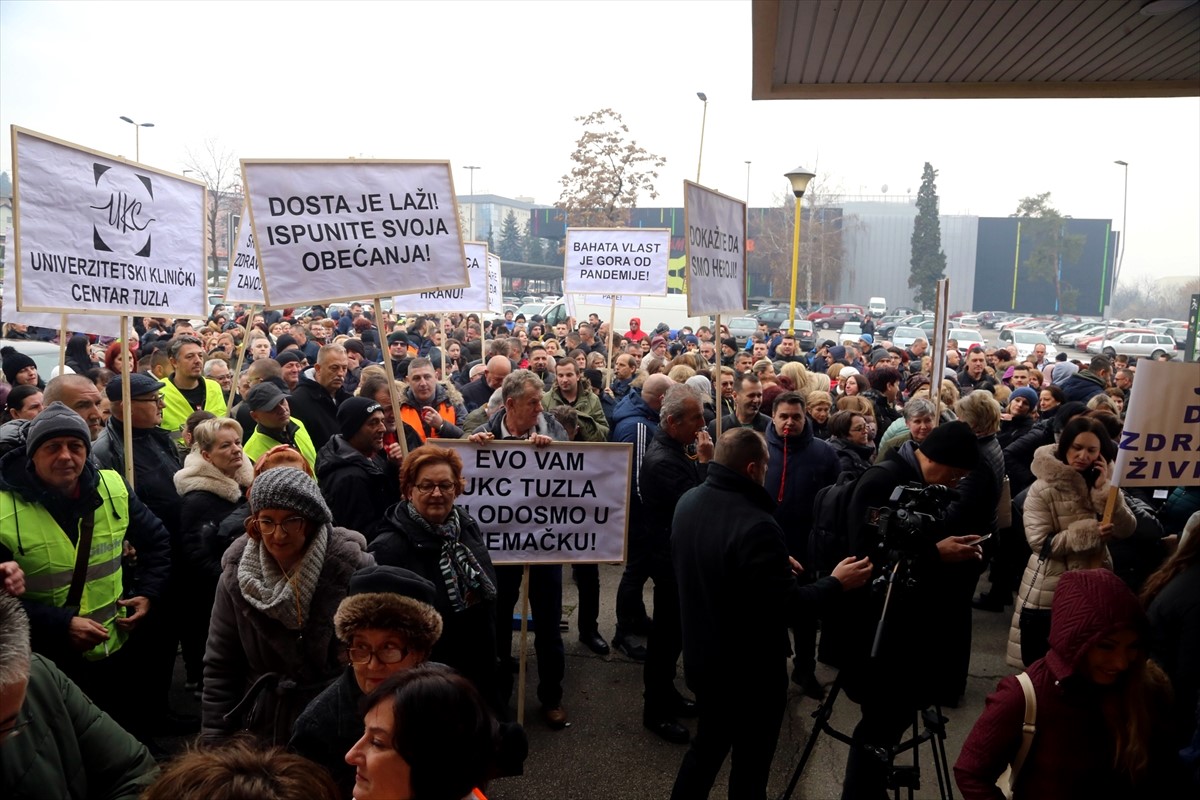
(1013, 429)
(207, 498)
(329, 727)
(853, 458)
(155, 462)
(798, 468)
(357, 489)
(1018, 455)
(731, 563)
(468, 641)
(317, 409)
(666, 474)
(1175, 644)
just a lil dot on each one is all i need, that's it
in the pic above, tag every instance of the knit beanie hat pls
(14, 362)
(952, 445)
(730, 342)
(353, 413)
(1029, 394)
(57, 419)
(288, 488)
(285, 341)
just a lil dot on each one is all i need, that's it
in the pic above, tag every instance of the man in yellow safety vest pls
(66, 522)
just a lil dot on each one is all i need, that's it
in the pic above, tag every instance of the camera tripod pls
(928, 726)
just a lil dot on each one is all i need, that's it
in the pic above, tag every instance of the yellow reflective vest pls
(177, 409)
(260, 442)
(47, 556)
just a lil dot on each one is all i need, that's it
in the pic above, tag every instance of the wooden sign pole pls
(62, 344)
(391, 373)
(237, 372)
(126, 404)
(521, 648)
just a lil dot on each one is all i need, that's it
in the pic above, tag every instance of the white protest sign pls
(1160, 442)
(716, 251)
(635, 260)
(329, 231)
(96, 232)
(444, 301)
(79, 323)
(244, 283)
(623, 300)
(565, 503)
(494, 285)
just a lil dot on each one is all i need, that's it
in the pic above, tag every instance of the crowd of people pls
(340, 619)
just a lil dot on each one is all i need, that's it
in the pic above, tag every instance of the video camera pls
(908, 523)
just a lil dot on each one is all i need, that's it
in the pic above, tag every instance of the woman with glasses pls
(386, 624)
(849, 437)
(427, 533)
(271, 644)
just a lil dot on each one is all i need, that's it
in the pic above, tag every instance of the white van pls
(671, 309)
(877, 306)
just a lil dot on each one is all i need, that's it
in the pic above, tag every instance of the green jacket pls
(593, 427)
(70, 750)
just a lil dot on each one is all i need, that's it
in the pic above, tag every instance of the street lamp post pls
(799, 178)
(747, 183)
(137, 136)
(471, 235)
(703, 121)
(1124, 211)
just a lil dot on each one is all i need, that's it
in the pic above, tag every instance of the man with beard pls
(748, 402)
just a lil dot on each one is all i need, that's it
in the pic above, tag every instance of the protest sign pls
(1160, 442)
(633, 260)
(95, 232)
(244, 283)
(328, 230)
(473, 297)
(78, 323)
(495, 285)
(716, 251)
(622, 300)
(564, 503)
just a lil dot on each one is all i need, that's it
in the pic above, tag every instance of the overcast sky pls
(498, 84)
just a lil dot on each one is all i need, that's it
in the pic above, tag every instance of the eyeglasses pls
(158, 398)
(445, 487)
(388, 654)
(14, 730)
(858, 429)
(291, 526)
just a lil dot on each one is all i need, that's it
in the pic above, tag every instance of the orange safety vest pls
(411, 414)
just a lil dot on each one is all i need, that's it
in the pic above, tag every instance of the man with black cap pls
(358, 480)
(291, 365)
(399, 352)
(893, 685)
(155, 457)
(274, 425)
(65, 523)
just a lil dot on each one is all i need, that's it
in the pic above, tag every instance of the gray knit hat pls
(288, 488)
(57, 419)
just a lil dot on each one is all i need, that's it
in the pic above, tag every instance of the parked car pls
(742, 328)
(835, 316)
(1113, 331)
(968, 320)
(902, 311)
(803, 331)
(1143, 345)
(966, 337)
(775, 318)
(1024, 342)
(851, 330)
(885, 330)
(905, 336)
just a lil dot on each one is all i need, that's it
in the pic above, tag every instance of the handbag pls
(1008, 778)
(1034, 623)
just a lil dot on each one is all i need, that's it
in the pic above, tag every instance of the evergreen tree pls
(534, 252)
(1046, 227)
(928, 264)
(510, 239)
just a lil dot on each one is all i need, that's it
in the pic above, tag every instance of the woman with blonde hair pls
(819, 403)
(800, 376)
(680, 373)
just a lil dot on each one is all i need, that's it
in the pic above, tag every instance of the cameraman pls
(891, 687)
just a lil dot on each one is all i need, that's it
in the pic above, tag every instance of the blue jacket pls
(632, 411)
(811, 465)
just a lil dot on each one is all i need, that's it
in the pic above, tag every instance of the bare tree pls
(822, 245)
(219, 169)
(608, 175)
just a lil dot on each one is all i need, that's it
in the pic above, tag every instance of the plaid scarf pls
(467, 583)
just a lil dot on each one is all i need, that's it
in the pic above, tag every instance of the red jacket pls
(1072, 752)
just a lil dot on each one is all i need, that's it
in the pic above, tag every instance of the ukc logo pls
(124, 203)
